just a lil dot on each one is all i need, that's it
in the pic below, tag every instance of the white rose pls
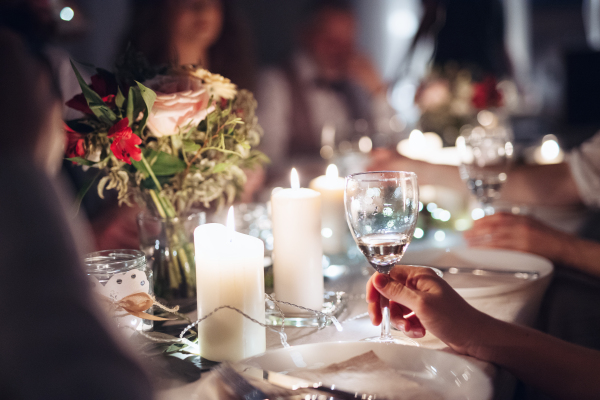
(180, 101)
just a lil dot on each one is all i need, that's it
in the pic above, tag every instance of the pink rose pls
(180, 101)
(433, 95)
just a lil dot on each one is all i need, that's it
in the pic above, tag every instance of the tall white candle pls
(229, 271)
(297, 249)
(334, 228)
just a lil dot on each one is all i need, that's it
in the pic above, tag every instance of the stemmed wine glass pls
(382, 209)
(485, 154)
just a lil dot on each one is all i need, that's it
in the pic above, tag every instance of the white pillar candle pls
(334, 228)
(229, 271)
(297, 248)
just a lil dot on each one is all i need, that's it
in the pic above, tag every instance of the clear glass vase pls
(169, 247)
(116, 274)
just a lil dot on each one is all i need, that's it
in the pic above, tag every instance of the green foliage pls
(199, 166)
(164, 164)
(149, 97)
(119, 99)
(98, 107)
(81, 161)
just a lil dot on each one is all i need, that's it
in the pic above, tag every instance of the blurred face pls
(198, 22)
(331, 43)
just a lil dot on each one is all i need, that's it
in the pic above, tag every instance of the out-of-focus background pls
(551, 43)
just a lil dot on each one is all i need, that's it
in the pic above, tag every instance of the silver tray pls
(334, 303)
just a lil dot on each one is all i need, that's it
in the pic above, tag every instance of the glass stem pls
(385, 318)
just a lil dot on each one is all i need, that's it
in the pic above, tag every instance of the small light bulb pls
(67, 14)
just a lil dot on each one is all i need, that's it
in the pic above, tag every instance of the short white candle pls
(229, 271)
(334, 228)
(297, 248)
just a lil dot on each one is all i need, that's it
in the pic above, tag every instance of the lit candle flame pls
(417, 140)
(295, 179)
(230, 220)
(332, 172)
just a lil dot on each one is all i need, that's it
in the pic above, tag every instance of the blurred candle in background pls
(229, 271)
(297, 248)
(334, 228)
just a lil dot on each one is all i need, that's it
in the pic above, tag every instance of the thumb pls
(395, 291)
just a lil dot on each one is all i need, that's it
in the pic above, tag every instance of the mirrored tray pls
(334, 303)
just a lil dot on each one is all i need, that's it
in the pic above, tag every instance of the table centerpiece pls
(172, 138)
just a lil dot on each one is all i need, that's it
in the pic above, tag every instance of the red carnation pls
(486, 95)
(75, 146)
(104, 86)
(125, 142)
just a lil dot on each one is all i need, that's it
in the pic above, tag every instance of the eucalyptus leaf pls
(81, 161)
(149, 97)
(220, 167)
(140, 166)
(83, 191)
(130, 106)
(190, 146)
(98, 107)
(167, 165)
(80, 126)
(120, 99)
(101, 185)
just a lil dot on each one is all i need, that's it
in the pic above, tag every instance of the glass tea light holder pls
(116, 274)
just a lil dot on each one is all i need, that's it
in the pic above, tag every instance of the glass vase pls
(169, 247)
(116, 274)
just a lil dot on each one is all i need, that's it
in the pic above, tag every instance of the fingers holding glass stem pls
(400, 316)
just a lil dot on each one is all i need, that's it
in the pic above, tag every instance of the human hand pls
(436, 306)
(518, 232)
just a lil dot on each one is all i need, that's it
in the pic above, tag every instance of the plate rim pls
(486, 382)
(545, 271)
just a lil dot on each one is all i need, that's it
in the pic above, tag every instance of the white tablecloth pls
(520, 306)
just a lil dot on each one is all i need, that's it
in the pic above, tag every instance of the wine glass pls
(485, 155)
(382, 209)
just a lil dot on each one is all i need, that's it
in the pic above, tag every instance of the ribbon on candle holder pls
(135, 304)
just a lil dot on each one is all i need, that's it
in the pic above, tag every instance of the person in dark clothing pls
(54, 342)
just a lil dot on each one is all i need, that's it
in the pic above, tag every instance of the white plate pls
(469, 285)
(453, 376)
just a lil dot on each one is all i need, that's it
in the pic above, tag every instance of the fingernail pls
(419, 332)
(381, 280)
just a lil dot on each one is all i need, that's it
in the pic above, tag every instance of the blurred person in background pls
(207, 33)
(113, 227)
(52, 331)
(327, 81)
(571, 308)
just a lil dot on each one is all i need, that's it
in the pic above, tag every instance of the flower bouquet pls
(172, 138)
(450, 98)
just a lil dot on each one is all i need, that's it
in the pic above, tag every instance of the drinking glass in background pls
(382, 210)
(116, 274)
(485, 155)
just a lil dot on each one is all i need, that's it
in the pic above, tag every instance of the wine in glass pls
(484, 159)
(382, 209)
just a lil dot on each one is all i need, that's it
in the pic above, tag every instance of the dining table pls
(519, 306)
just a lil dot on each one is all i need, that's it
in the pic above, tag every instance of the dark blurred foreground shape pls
(54, 342)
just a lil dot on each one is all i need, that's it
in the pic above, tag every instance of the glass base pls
(392, 340)
(334, 303)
